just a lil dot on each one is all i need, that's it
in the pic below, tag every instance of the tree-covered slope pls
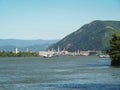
(92, 36)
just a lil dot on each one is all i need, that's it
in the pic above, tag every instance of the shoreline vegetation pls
(114, 51)
(20, 54)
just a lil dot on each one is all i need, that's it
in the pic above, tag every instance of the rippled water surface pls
(58, 73)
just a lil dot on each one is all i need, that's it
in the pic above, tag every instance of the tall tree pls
(114, 51)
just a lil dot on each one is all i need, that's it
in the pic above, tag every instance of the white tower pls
(16, 50)
(27, 50)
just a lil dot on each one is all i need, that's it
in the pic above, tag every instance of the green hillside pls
(92, 36)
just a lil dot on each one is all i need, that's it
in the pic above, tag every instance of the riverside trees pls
(114, 51)
(20, 54)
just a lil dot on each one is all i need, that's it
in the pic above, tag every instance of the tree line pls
(20, 54)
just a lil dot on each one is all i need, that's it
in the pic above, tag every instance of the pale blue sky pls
(52, 19)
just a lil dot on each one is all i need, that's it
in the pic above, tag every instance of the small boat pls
(104, 56)
(48, 56)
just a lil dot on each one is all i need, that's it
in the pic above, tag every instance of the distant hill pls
(33, 45)
(92, 36)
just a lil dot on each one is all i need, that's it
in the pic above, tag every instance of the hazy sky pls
(52, 19)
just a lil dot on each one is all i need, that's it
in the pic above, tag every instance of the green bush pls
(114, 51)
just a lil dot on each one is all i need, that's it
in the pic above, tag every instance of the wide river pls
(58, 73)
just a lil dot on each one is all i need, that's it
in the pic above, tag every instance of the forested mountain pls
(92, 36)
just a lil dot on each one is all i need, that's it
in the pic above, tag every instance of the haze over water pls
(58, 73)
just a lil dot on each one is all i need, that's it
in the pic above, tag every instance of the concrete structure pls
(84, 53)
(46, 53)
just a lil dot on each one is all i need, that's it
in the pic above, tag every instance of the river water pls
(58, 73)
